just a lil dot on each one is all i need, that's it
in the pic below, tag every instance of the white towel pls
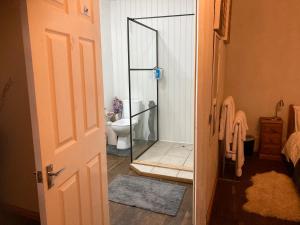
(297, 118)
(226, 123)
(240, 133)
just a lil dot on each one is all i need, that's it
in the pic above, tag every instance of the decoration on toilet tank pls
(157, 73)
(117, 107)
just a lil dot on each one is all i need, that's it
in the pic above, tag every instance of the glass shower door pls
(143, 87)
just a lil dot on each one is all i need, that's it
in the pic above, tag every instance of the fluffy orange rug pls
(273, 195)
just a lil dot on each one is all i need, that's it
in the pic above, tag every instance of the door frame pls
(203, 192)
(32, 104)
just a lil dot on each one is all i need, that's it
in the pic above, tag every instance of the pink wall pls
(263, 57)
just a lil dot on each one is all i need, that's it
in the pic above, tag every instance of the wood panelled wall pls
(107, 66)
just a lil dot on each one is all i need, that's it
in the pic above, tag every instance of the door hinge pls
(38, 176)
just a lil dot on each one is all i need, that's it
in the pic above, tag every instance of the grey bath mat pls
(153, 195)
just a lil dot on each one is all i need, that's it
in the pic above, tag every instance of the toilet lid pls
(124, 122)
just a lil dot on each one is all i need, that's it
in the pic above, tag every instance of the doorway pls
(59, 43)
(138, 40)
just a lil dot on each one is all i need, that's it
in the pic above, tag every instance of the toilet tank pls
(135, 107)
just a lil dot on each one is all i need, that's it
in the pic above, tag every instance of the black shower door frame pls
(131, 20)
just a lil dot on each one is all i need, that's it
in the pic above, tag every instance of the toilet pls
(122, 127)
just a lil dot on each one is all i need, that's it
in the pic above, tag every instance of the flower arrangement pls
(117, 110)
(117, 106)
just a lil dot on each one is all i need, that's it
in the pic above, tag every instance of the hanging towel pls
(226, 123)
(297, 118)
(240, 132)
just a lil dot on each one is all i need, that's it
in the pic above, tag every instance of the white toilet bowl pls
(122, 130)
(122, 127)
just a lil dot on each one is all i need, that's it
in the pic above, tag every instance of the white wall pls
(107, 66)
(176, 57)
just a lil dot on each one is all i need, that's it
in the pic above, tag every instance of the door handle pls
(55, 174)
(51, 175)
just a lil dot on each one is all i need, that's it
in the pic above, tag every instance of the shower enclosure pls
(142, 46)
(162, 148)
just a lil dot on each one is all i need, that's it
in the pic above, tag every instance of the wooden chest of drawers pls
(270, 138)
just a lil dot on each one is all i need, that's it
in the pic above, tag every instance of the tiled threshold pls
(172, 174)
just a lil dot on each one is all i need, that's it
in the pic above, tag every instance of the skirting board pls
(21, 212)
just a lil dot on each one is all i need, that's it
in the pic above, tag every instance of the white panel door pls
(66, 95)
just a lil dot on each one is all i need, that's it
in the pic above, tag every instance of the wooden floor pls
(7, 218)
(126, 215)
(230, 196)
(227, 207)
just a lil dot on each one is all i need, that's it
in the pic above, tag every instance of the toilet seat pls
(124, 122)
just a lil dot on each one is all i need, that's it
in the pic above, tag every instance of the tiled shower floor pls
(173, 160)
